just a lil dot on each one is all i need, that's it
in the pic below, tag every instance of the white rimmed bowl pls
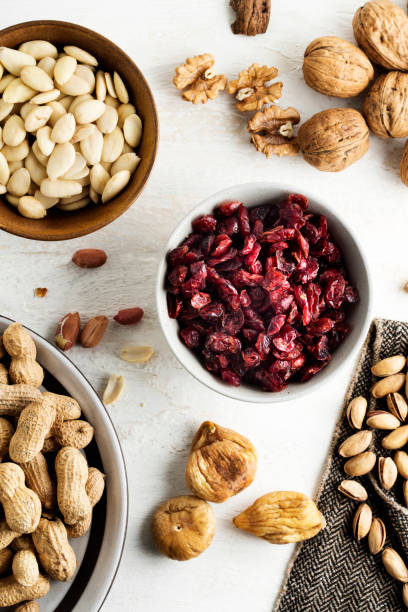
(99, 552)
(255, 194)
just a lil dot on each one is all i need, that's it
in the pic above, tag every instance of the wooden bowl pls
(60, 225)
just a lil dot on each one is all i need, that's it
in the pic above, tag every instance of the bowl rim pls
(240, 393)
(22, 233)
(119, 452)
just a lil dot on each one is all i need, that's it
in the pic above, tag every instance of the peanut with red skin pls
(89, 258)
(129, 316)
(94, 331)
(68, 331)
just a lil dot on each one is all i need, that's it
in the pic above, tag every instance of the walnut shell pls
(404, 165)
(335, 67)
(221, 464)
(381, 29)
(386, 105)
(333, 139)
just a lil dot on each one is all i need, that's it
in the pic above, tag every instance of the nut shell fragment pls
(183, 527)
(221, 464)
(281, 517)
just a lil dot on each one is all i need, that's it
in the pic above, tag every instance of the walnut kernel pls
(272, 131)
(253, 88)
(198, 79)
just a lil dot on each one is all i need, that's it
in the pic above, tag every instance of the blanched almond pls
(115, 185)
(82, 131)
(15, 165)
(61, 160)
(108, 121)
(136, 354)
(64, 69)
(78, 165)
(39, 49)
(114, 102)
(19, 182)
(17, 92)
(46, 202)
(37, 118)
(5, 109)
(13, 60)
(46, 96)
(91, 147)
(78, 100)
(37, 79)
(64, 128)
(60, 189)
(36, 170)
(100, 86)
(66, 102)
(44, 141)
(75, 86)
(86, 73)
(124, 110)
(89, 111)
(47, 64)
(75, 205)
(93, 195)
(99, 177)
(26, 109)
(31, 207)
(132, 130)
(81, 55)
(112, 145)
(3, 189)
(120, 88)
(110, 86)
(16, 153)
(76, 197)
(43, 159)
(57, 112)
(13, 131)
(5, 81)
(4, 170)
(128, 161)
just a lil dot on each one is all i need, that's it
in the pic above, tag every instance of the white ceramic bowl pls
(99, 552)
(255, 194)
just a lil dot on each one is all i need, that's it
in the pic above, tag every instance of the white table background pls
(202, 150)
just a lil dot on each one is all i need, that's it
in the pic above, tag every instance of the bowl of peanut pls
(79, 130)
(62, 475)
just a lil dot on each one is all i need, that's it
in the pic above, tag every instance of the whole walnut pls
(386, 105)
(333, 139)
(404, 165)
(381, 29)
(335, 67)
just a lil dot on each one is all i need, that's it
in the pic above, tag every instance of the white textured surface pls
(202, 150)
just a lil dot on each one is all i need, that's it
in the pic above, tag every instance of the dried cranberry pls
(177, 275)
(198, 270)
(270, 382)
(259, 298)
(221, 245)
(273, 279)
(243, 221)
(190, 287)
(282, 367)
(249, 243)
(234, 322)
(230, 378)
(251, 258)
(213, 312)
(311, 232)
(334, 292)
(227, 256)
(263, 345)
(255, 267)
(199, 300)
(207, 243)
(176, 256)
(275, 324)
(299, 199)
(242, 278)
(228, 208)
(283, 264)
(251, 358)
(259, 212)
(205, 225)
(174, 306)
(219, 342)
(310, 371)
(302, 301)
(230, 225)
(351, 295)
(253, 320)
(244, 298)
(191, 337)
(278, 234)
(257, 228)
(320, 326)
(229, 264)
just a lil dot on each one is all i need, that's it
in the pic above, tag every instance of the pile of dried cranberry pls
(260, 294)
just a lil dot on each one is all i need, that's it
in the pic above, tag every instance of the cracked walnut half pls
(272, 131)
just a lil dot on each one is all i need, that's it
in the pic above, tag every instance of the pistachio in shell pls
(334, 139)
(401, 461)
(362, 521)
(360, 464)
(394, 564)
(356, 411)
(386, 109)
(397, 406)
(335, 67)
(376, 536)
(353, 490)
(387, 472)
(389, 365)
(381, 30)
(183, 527)
(221, 464)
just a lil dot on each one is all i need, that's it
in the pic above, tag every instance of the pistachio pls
(376, 536)
(394, 565)
(397, 406)
(405, 492)
(381, 419)
(356, 411)
(356, 444)
(360, 464)
(353, 489)
(389, 366)
(362, 521)
(387, 472)
(396, 439)
(401, 461)
(390, 384)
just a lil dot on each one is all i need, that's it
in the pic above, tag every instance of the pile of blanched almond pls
(68, 132)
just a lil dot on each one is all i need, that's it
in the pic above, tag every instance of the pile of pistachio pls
(361, 460)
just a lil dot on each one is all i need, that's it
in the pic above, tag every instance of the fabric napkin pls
(332, 572)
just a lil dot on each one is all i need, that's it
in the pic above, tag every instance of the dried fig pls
(334, 139)
(282, 517)
(381, 30)
(183, 527)
(335, 67)
(221, 464)
(386, 105)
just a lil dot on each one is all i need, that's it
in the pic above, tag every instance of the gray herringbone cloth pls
(332, 572)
